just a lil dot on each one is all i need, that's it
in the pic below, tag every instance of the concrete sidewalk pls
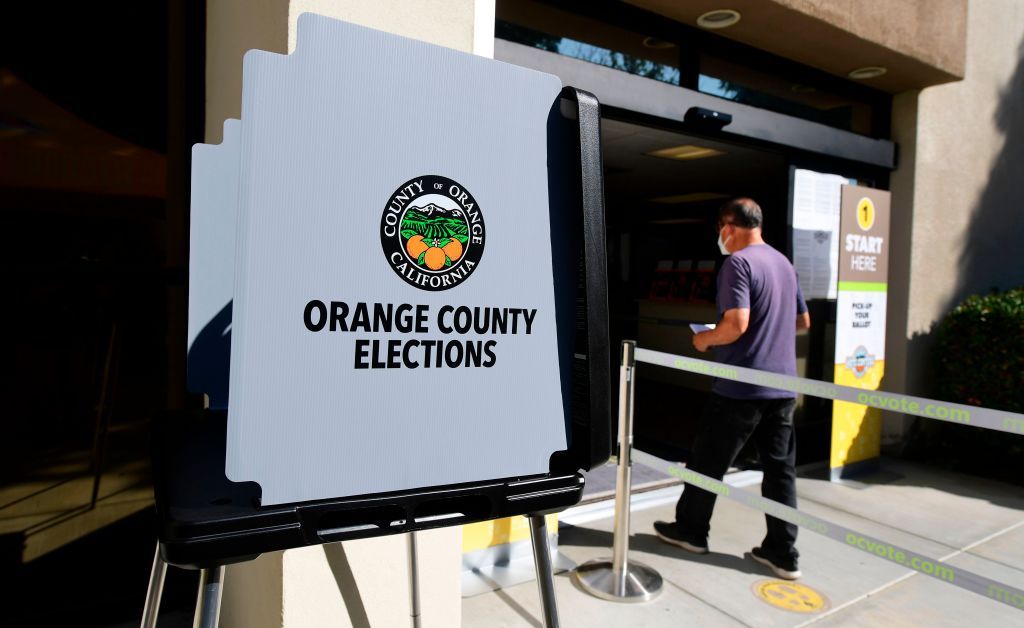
(971, 523)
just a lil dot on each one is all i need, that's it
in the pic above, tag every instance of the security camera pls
(707, 117)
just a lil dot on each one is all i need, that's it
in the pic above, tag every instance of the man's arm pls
(803, 317)
(733, 325)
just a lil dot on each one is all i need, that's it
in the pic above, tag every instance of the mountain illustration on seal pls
(429, 209)
(434, 236)
(433, 221)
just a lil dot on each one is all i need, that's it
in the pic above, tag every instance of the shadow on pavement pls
(646, 542)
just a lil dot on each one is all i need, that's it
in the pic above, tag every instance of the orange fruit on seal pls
(453, 249)
(434, 258)
(415, 246)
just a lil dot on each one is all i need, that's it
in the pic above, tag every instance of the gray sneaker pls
(669, 533)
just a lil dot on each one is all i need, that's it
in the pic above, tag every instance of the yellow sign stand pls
(499, 554)
(856, 429)
(497, 532)
(860, 326)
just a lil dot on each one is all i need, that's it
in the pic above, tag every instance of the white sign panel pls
(860, 330)
(213, 219)
(394, 323)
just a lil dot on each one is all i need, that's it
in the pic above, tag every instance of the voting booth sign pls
(397, 301)
(392, 285)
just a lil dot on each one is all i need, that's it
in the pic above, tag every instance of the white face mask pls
(721, 243)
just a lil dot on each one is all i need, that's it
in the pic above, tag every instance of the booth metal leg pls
(545, 574)
(156, 589)
(211, 583)
(414, 582)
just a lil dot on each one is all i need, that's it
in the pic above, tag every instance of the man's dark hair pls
(742, 212)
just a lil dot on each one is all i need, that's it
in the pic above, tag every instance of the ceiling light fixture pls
(719, 18)
(657, 44)
(692, 197)
(869, 72)
(686, 151)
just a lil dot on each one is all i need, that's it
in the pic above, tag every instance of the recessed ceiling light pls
(869, 72)
(798, 88)
(692, 197)
(657, 44)
(686, 151)
(719, 18)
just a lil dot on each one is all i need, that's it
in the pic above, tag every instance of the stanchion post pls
(624, 475)
(620, 580)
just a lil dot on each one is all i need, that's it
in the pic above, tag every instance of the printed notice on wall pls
(816, 231)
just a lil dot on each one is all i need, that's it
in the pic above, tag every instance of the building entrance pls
(667, 171)
(663, 190)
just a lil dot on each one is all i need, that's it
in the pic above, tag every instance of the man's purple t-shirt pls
(762, 279)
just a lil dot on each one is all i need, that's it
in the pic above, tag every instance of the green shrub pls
(977, 359)
(979, 352)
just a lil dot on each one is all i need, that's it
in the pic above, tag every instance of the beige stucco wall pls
(309, 587)
(920, 42)
(235, 26)
(958, 216)
(232, 28)
(444, 22)
(929, 30)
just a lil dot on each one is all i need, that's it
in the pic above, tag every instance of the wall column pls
(316, 586)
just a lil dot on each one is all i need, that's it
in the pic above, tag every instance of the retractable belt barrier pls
(907, 404)
(935, 568)
(918, 406)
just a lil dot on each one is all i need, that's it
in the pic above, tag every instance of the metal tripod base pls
(640, 584)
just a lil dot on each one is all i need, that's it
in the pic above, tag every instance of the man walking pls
(760, 308)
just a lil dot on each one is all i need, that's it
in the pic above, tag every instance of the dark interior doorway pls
(663, 190)
(98, 110)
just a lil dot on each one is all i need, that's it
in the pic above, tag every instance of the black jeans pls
(725, 426)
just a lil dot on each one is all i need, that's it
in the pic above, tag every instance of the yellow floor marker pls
(790, 596)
